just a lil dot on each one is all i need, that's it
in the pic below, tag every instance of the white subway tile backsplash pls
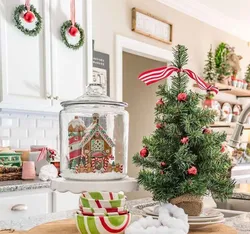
(36, 133)
(44, 123)
(19, 133)
(4, 132)
(27, 123)
(20, 130)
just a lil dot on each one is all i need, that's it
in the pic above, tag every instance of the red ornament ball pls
(144, 152)
(207, 131)
(163, 164)
(73, 31)
(182, 97)
(184, 140)
(192, 171)
(223, 149)
(29, 17)
(160, 102)
(159, 125)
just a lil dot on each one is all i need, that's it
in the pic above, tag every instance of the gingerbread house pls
(97, 147)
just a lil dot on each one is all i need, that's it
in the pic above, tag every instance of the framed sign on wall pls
(151, 26)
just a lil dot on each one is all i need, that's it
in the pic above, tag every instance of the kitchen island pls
(241, 222)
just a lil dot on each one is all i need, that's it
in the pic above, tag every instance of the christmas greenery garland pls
(64, 29)
(19, 11)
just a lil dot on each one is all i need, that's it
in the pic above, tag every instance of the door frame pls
(125, 44)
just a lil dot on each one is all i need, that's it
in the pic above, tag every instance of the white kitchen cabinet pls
(65, 201)
(22, 204)
(37, 73)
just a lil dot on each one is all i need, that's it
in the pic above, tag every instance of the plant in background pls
(183, 159)
(247, 76)
(210, 74)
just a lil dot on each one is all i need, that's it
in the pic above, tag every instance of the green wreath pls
(64, 29)
(19, 11)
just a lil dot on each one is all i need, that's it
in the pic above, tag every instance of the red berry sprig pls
(192, 171)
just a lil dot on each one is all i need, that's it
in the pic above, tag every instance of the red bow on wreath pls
(155, 75)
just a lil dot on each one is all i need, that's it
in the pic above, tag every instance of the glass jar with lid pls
(94, 137)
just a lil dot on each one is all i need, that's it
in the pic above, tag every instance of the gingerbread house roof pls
(90, 132)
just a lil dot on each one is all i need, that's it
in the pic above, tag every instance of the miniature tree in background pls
(183, 157)
(210, 74)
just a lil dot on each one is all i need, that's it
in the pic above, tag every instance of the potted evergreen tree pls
(183, 159)
(247, 77)
(210, 74)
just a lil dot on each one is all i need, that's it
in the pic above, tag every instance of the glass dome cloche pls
(94, 137)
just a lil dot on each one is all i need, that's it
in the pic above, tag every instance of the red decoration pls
(207, 131)
(29, 17)
(182, 97)
(192, 171)
(223, 149)
(155, 75)
(184, 140)
(162, 172)
(159, 125)
(160, 102)
(163, 164)
(144, 152)
(73, 31)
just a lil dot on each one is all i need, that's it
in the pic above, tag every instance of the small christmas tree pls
(210, 74)
(224, 70)
(247, 76)
(183, 156)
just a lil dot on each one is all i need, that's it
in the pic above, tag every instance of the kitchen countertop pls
(21, 185)
(241, 223)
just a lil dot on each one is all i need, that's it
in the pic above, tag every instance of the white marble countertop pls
(241, 223)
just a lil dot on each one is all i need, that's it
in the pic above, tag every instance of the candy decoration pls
(103, 225)
(29, 14)
(182, 97)
(155, 75)
(160, 102)
(184, 140)
(192, 171)
(144, 152)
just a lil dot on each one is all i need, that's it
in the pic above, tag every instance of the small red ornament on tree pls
(29, 17)
(184, 140)
(159, 125)
(73, 31)
(160, 102)
(192, 171)
(163, 164)
(223, 149)
(144, 152)
(182, 97)
(162, 172)
(207, 131)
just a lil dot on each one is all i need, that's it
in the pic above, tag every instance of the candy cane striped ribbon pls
(155, 75)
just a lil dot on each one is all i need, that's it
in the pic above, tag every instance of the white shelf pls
(127, 184)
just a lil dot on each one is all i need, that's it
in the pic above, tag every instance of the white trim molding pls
(211, 16)
(138, 48)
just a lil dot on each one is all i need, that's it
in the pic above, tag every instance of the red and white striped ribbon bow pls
(155, 75)
(27, 4)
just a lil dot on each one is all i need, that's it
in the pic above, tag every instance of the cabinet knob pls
(56, 98)
(49, 96)
(19, 207)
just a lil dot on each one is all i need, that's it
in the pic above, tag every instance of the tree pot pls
(192, 205)
(225, 80)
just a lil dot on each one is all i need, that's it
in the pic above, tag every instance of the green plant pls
(183, 156)
(247, 76)
(210, 74)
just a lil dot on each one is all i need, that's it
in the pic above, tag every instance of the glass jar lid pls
(94, 95)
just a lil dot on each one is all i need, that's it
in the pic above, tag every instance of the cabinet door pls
(68, 66)
(65, 201)
(24, 61)
(17, 205)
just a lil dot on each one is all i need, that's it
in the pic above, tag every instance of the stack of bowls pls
(102, 212)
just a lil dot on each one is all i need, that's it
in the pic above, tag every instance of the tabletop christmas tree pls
(210, 74)
(183, 159)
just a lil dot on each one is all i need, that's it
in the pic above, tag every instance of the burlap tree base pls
(190, 204)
